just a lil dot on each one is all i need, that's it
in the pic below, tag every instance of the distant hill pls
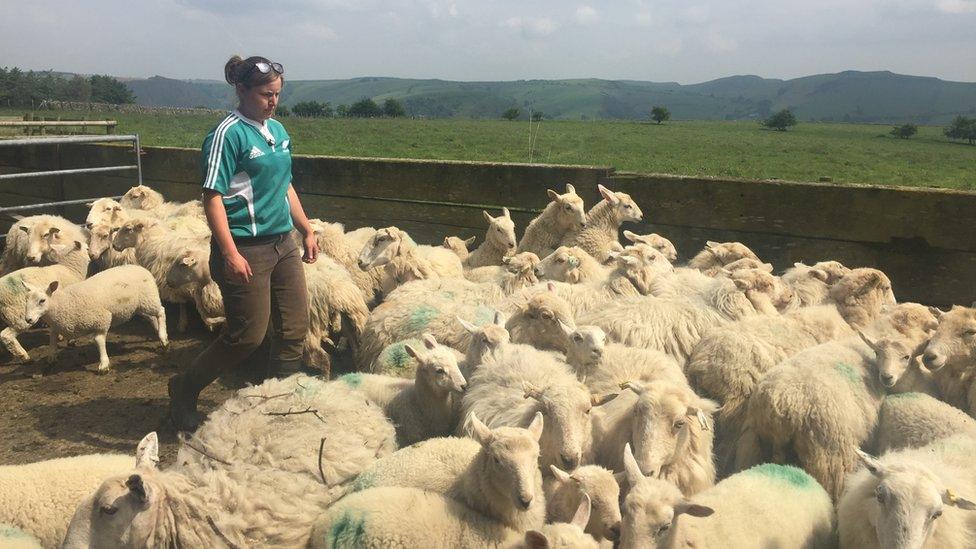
(852, 96)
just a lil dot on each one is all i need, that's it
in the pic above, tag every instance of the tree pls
(393, 108)
(79, 89)
(106, 89)
(660, 114)
(904, 131)
(308, 109)
(781, 120)
(282, 111)
(511, 114)
(342, 111)
(962, 128)
(365, 108)
(537, 116)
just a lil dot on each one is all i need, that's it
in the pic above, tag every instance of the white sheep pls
(403, 260)
(343, 248)
(811, 284)
(572, 265)
(861, 294)
(913, 420)
(950, 356)
(460, 246)
(105, 211)
(485, 340)
(604, 366)
(655, 241)
(142, 197)
(513, 384)
(425, 407)
(566, 491)
(716, 255)
(668, 425)
(499, 242)
(536, 321)
(39, 498)
(30, 239)
(495, 472)
(335, 306)
(94, 305)
(564, 213)
(918, 498)
(100, 237)
(515, 273)
(13, 293)
(192, 272)
(603, 224)
(823, 402)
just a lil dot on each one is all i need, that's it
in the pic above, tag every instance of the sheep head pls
(381, 248)
(584, 345)
(599, 486)
(562, 265)
(566, 408)
(570, 211)
(762, 289)
(100, 237)
(954, 340)
(655, 241)
(437, 367)
(513, 459)
(522, 265)
(131, 233)
(486, 339)
(624, 207)
(37, 300)
(537, 321)
(893, 357)
(716, 255)
(501, 231)
(458, 245)
(141, 197)
(861, 294)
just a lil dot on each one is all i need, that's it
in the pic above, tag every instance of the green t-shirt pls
(249, 164)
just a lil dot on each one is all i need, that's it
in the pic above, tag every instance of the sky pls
(684, 41)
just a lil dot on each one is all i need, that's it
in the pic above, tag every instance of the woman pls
(252, 208)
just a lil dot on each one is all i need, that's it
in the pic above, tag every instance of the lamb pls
(499, 242)
(823, 402)
(485, 340)
(563, 213)
(714, 256)
(908, 498)
(811, 284)
(30, 239)
(105, 211)
(335, 305)
(913, 420)
(513, 384)
(791, 508)
(603, 224)
(39, 498)
(515, 273)
(458, 245)
(670, 427)
(572, 265)
(92, 306)
(860, 295)
(142, 197)
(403, 261)
(566, 491)
(537, 321)
(14, 291)
(950, 356)
(100, 237)
(495, 472)
(655, 241)
(604, 366)
(341, 247)
(192, 269)
(423, 408)
(410, 517)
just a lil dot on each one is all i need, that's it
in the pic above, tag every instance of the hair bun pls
(232, 70)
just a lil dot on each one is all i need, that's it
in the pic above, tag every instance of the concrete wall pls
(921, 238)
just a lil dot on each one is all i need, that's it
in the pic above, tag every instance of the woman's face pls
(258, 103)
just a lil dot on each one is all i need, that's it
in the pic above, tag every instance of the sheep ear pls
(535, 539)
(630, 260)
(631, 236)
(53, 230)
(692, 509)
(187, 260)
(147, 452)
(469, 241)
(550, 286)
(700, 415)
(531, 391)
(872, 463)
(77, 244)
(939, 313)
(821, 274)
(741, 284)
(561, 476)
(24, 228)
(711, 244)
(871, 342)
(536, 426)
(471, 328)
(429, 341)
(52, 287)
(506, 213)
(570, 188)
(446, 243)
(582, 516)
(498, 319)
(480, 432)
(567, 329)
(506, 260)
(600, 401)
(950, 498)
(552, 194)
(411, 351)
(607, 194)
(89, 204)
(488, 216)
(633, 470)
(136, 485)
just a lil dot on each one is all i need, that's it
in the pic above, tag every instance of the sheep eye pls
(663, 528)
(627, 206)
(441, 372)
(906, 357)
(970, 332)
(936, 514)
(577, 337)
(108, 509)
(678, 424)
(560, 260)
(879, 495)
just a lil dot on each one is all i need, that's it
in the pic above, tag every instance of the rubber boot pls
(183, 405)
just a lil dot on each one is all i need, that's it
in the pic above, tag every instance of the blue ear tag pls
(573, 261)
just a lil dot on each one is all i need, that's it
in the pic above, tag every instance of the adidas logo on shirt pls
(255, 152)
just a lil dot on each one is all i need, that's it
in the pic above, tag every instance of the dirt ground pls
(70, 410)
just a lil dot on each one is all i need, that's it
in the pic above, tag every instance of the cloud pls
(316, 31)
(533, 27)
(956, 6)
(644, 18)
(586, 15)
(717, 43)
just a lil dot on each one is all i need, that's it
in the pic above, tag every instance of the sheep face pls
(513, 459)
(458, 245)
(600, 487)
(655, 241)
(861, 294)
(140, 197)
(908, 502)
(130, 234)
(624, 207)
(834, 269)
(537, 322)
(381, 248)
(716, 255)
(762, 289)
(40, 237)
(522, 264)
(100, 239)
(955, 338)
(191, 268)
(104, 210)
(585, 345)
(486, 339)
(807, 286)
(567, 413)
(892, 358)
(437, 367)
(38, 301)
(58, 252)
(560, 265)
(501, 231)
(570, 211)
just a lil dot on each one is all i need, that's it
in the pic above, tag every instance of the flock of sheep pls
(563, 390)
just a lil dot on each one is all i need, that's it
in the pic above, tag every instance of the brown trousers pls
(276, 293)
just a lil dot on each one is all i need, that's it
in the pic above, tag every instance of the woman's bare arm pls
(213, 206)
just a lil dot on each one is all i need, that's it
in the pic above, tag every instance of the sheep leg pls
(53, 344)
(9, 337)
(161, 326)
(184, 319)
(213, 323)
(103, 362)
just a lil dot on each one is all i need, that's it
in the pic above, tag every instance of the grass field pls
(846, 153)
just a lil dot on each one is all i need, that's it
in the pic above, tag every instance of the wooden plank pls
(55, 123)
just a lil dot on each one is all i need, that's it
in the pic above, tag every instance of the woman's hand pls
(238, 267)
(311, 246)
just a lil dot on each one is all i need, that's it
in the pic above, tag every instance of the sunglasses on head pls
(264, 68)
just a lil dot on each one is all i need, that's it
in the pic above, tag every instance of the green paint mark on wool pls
(347, 531)
(307, 386)
(13, 281)
(363, 481)
(787, 473)
(903, 396)
(848, 372)
(448, 294)
(353, 380)
(420, 318)
(395, 357)
(12, 534)
(483, 316)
